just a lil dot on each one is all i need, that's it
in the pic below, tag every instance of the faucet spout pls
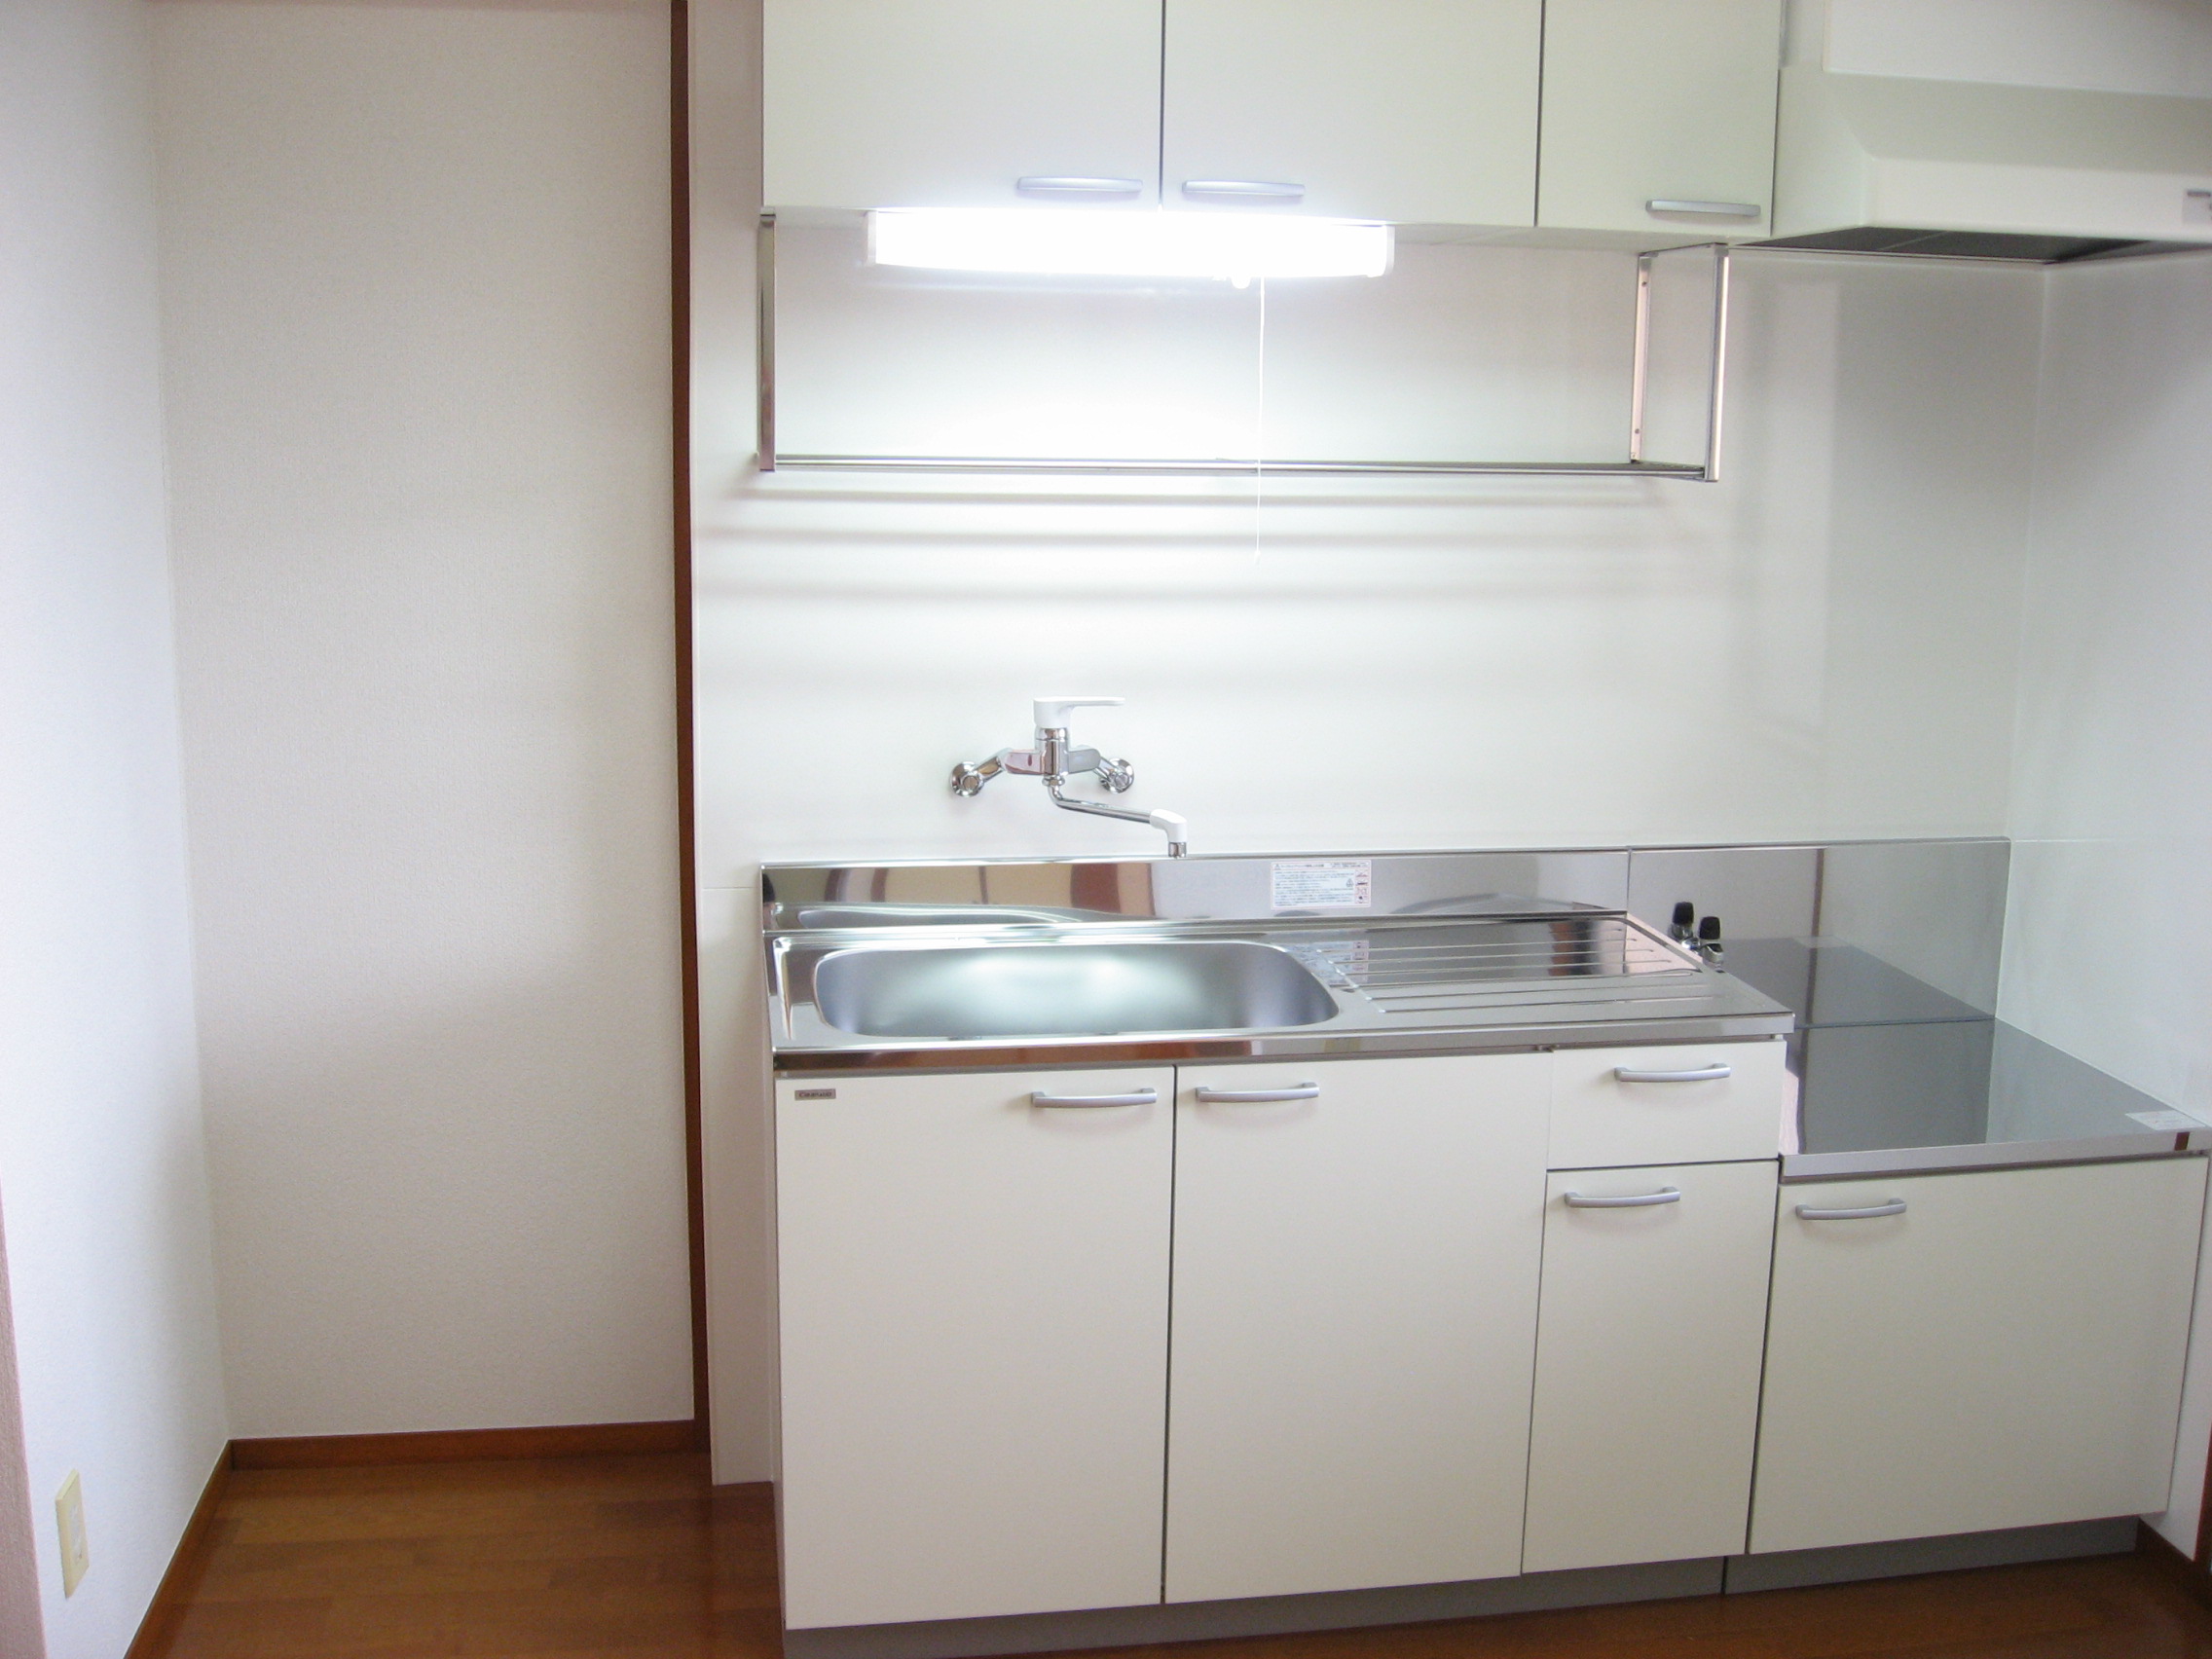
(1173, 825)
(1053, 759)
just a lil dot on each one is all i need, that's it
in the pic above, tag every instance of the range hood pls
(1881, 163)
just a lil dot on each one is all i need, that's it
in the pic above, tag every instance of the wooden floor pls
(638, 1558)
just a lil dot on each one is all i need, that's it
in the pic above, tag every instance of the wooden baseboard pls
(2173, 1565)
(166, 1610)
(468, 1445)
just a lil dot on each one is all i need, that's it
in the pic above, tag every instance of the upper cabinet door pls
(1416, 111)
(886, 103)
(1649, 103)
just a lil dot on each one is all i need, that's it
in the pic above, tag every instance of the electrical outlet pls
(69, 1512)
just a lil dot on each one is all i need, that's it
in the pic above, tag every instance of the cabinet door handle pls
(1865, 1212)
(1245, 189)
(1257, 1096)
(1696, 1074)
(1045, 184)
(1712, 210)
(1637, 1201)
(1135, 1097)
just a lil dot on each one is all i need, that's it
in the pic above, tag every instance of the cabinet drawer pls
(1648, 1105)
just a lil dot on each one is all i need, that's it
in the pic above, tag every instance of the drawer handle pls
(1245, 189)
(1715, 209)
(1041, 184)
(1698, 1074)
(1637, 1201)
(1257, 1096)
(1135, 1097)
(1867, 1212)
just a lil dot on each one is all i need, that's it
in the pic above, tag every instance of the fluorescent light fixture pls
(1085, 242)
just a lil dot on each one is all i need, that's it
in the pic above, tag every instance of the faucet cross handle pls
(1051, 713)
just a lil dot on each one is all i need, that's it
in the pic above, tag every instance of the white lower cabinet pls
(1354, 1322)
(1068, 1340)
(2003, 1351)
(973, 1323)
(1647, 1364)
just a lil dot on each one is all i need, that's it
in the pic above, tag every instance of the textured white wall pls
(2111, 807)
(416, 282)
(1821, 646)
(108, 1258)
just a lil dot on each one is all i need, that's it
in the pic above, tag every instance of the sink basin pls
(1067, 990)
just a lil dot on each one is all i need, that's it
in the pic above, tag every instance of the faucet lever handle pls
(1051, 713)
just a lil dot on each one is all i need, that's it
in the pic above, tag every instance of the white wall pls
(101, 1151)
(1819, 647)
(2111, 807)
(416, 289)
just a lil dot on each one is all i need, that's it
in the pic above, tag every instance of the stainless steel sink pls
(1067, 990)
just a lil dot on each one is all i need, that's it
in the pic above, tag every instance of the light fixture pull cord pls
(1260, 430)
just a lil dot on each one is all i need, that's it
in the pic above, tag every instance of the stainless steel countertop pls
(1449, 954)
(1441, 953)
(1896, 1077)
(1403, 988)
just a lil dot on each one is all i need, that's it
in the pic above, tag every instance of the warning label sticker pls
(1322, 884)
(2165, 1119)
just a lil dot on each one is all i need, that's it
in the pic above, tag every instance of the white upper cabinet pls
(885, 103)
(1651, 102)
(1416, 111)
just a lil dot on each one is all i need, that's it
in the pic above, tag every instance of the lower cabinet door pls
(1356, 1251)
(1647, 1364)
(974, 1333)
(2001, 1349)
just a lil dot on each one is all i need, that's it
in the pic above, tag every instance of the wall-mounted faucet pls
(1055, 760)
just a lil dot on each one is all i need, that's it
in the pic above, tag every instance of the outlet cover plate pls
(69, 1515)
